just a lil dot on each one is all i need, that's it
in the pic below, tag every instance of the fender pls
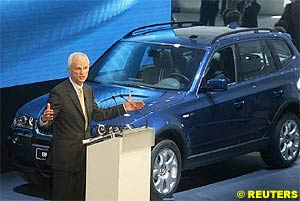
(175, 133)
(287, 105)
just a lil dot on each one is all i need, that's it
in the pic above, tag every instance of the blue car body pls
(206, 126)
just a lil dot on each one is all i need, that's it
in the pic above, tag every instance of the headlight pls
(101, 130)
(23, 121)
(30, 122)
(298, 84)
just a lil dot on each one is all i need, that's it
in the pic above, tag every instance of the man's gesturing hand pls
(48, 114)
(132, 105)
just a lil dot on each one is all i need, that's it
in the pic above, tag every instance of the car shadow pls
(217, 172)
(34, 190)
(190, 179)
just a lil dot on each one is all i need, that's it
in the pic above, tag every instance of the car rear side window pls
(255, 59)
(282, 50)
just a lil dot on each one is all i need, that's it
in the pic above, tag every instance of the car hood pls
(154, 100)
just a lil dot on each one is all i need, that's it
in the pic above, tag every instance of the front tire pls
(284, 148)
(166, 169)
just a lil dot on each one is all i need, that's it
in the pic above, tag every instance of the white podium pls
(118, 168)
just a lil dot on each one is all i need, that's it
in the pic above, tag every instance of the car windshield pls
(146, 65)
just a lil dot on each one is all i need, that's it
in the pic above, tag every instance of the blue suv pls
(211, 93)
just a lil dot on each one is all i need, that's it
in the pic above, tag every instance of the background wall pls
(187, 6)
(271, 7)
(37, 37)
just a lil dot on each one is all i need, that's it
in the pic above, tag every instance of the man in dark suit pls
(291, 17)
(69, 111)
(208, 12)
(249, 10)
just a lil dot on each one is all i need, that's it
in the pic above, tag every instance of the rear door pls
(263, 87)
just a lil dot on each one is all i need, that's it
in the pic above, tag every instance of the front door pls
(217, 117)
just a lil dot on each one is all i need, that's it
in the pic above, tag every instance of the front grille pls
(23, 132)
(43, 132)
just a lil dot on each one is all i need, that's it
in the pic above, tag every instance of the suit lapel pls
(73, 95)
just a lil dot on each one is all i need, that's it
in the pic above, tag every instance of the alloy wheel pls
(289, 140)
(165, 170)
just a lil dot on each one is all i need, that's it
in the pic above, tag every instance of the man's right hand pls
(48, 114)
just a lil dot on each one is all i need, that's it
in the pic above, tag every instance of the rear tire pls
(284, 148)
(165, 169)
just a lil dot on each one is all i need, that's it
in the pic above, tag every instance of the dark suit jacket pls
(209, 8)
(250, 14)
(292, 18)
(67, 152)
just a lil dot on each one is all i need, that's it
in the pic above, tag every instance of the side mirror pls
(217, 85)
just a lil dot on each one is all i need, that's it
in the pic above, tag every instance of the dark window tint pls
(282, 50)
(255, 59)
(221, 65)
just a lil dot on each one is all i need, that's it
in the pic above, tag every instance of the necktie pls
(81, 100)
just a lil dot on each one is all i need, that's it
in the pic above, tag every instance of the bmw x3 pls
(211, 93)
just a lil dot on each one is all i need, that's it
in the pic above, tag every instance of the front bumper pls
(28, 151)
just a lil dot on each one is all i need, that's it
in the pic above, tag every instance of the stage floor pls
(219, 181)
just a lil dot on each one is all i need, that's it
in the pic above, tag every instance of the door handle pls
(239, 104)
(278, 93)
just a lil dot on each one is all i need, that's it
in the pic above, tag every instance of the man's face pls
(79, 70)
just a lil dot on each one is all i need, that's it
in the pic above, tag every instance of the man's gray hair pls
(76, 55)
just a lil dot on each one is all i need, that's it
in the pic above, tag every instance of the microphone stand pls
(114, 98)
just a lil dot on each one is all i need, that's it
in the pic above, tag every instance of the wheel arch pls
(287, 107)
(175, 134)
(280, 152)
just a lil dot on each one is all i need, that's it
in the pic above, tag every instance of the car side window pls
(255, 59)
(282, 51)
(221, 65)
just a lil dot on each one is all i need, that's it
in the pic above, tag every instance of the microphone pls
(146, 119)
(114, 98)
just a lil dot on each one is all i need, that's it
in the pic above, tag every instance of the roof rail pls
(255, 30)
(160, 26)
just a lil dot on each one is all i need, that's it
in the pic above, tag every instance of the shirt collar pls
(76, 86)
